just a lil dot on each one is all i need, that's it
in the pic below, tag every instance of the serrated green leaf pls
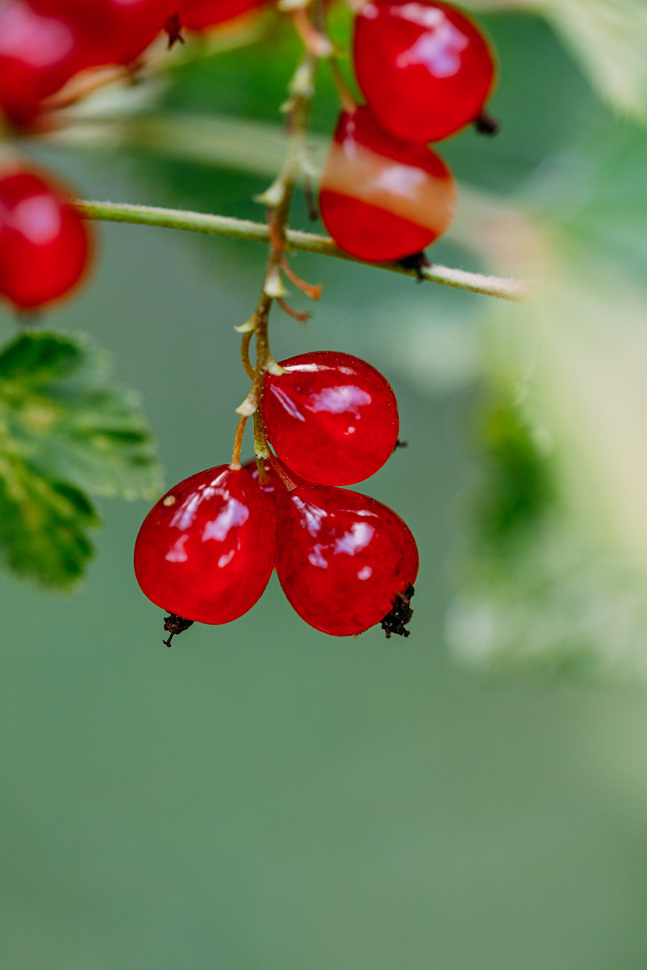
(60, 415)
(43, 525)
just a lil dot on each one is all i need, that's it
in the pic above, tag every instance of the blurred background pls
(264, 796)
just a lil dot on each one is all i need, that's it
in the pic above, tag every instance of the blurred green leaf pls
(544, 589)
(519, 484)
(561, 606)
(609, 38)
(595, 195)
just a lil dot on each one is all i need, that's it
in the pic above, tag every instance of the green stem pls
(505, 289)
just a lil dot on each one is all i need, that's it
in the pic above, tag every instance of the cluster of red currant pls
(426, 71)
(45, 246)
(206, 550)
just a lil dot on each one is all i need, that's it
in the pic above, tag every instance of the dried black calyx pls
(400, 615)
(417, 261)
(173, 28)
(485, 124)
(175, 625)
(400, 444)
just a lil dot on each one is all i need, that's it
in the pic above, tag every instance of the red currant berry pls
(132, 25)
(202, 14)
(344, 560)
(112, 31)
(38, 54)
(205, 551)
(331, 417)
(45, 246)
(424, 67)
(272, 485)
(381, 199)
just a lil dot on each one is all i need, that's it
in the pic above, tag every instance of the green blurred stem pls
(505, 289)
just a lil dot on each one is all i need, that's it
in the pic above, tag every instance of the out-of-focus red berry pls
(45, 246)
(201, 14)
(39, 52)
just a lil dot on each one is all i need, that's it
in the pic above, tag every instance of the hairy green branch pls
(506, 289)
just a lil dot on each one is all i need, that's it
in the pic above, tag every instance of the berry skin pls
(344, 560)
(425, 68)
(201, 14)
(273, 485)
(205, 551)
(38, 54)
(130, 27)
(45, 246)
(112, 31)
(382, 199)
(331, 418)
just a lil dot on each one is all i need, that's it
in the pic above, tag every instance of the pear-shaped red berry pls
(205, 551)
(331, 417)
(344, 560)
(45, 245)
(39, 52)
(424, 67)
(382, 199)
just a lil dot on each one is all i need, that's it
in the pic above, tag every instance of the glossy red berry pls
(331, 417)
(45, 246)
(201, 14)
(344, 560)
(382, 199)
(38, 54)
(272, 485)
(424, 67)
(205, 551)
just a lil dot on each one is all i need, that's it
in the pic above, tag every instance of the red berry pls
(273, 484)
(112, 31)
(331, 418)
(45, 246)
(205, 551)
(131, 26)
(343, 559)
(424, 67)
(38, 54)
(382, 199)
(201, 14)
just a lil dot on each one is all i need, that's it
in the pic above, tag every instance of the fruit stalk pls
(308, 242)
(278, 199)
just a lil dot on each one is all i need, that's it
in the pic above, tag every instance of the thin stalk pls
(238, 443)
(504, 289)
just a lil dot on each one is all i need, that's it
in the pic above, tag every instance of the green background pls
(261, 795)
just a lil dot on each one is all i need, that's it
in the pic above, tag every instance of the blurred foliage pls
(518, 486)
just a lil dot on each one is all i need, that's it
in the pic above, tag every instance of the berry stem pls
(346, 99)
(244, 354)
(503, 288)
(278, 198)
(238, 443)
